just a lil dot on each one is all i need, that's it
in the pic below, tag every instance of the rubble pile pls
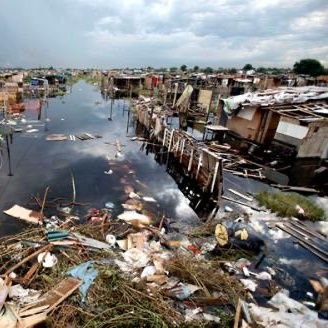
(132, 269)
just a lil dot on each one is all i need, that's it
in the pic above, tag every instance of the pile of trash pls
(131, 270)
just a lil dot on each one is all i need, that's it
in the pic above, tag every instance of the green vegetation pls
(183, 68)
(89, 78)
(232, 70)
(261, 70)
(208, 70)
(285, 204)
(248, 67)
(309, 66)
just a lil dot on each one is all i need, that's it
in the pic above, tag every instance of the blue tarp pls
(85, 272)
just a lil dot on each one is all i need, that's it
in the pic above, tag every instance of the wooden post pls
(175, 93)
(165, 95)
(182, 149)
(164, 137)
(220, 184)
(8, 154)
(190, 159)
(175, 148)
(204, 133)
(199, 164)
(215, 175)
(171, 138)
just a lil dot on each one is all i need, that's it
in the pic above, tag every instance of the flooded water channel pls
(38, 163)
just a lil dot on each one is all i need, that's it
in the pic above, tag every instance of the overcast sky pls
(136, 33)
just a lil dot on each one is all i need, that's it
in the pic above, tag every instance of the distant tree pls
(183, 68)
(173, 69)
(232, 70)
(247, 67)
(309, 66)
(261, 70)
(161, 69)
(208, 70)
(196, 68)
(50, 68)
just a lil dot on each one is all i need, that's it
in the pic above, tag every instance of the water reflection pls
(37, 163)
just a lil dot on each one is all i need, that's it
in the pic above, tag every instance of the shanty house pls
(281, 114)
(315, 143)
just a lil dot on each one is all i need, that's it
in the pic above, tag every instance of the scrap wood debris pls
(128, 269)
(117, 287)
(71, 137)
(87, 278)
(95, 281)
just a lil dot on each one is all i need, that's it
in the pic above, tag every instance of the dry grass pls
(208, 275)
(114, 300)
(204, 230)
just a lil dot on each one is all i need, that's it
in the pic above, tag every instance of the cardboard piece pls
(25, 214)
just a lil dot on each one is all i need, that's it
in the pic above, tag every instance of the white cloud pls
(311, 21)
(173, 32)
(212, 32)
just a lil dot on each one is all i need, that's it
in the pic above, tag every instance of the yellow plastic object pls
(221, 234)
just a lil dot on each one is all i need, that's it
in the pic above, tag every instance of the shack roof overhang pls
(306, 112)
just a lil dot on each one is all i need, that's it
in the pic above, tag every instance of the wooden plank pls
(199, 164)
(33, 311)
(240, 195)
(170, 143)
(32, 320)
(28, 277)
(206, 150)
(215, 175)
(182, 149)
(56, 295)
(307, 230)
(241, 203)
(216, 128)
(246, 175)
(237, 315)
(309, 246)
(296, 188)
(191, 159)
(323, 236)
(164, 137)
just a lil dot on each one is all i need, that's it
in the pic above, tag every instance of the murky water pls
(38, 163)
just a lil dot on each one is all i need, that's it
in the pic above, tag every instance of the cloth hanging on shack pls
(230, 105)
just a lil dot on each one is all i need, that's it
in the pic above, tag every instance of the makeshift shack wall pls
(315, 144)
(204, 98)
(290, 131)
(148, 82)
(270, 123)
(246, 128)
(127, 83)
